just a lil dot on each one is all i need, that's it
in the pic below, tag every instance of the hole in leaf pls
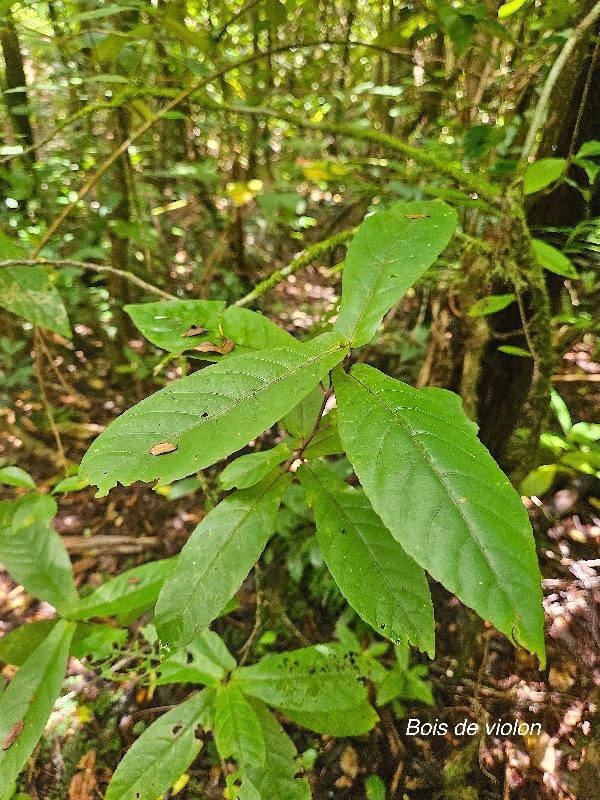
(176, 729)
(189, 657)
(198, 732)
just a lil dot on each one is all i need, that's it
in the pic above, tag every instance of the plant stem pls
(302, 260)
(67, 262)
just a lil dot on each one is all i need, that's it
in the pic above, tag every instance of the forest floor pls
(477, 677)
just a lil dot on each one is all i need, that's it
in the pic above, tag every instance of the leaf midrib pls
(238, 401)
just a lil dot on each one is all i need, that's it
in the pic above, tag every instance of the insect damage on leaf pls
(417, 216)
(13, 734)
(210, 347)
(195, 330)
(162, 448)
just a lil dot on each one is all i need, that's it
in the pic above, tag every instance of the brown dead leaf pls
(162, 448)
(349, 762)
(210, 347)
(13, 734)
(195, 330)
(83, 784)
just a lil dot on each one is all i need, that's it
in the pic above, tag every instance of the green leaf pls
(28, 293)
(388, 254)
(326, 441)
(15, 476)
(443, 497)
(99, 641)
(553, 260)
(165, 323)
(561, 411)
(99, 13)
(542, 173)
(162, 753)
(216, 559)
(134, 590)
(29, 699)
(71, 484)
(247, 470)
(208, 415)
(589, 149)
(276, 778)
(511, 350)
(301, 420)
(491, 304)
(375, 788)
(205, 660)
(539, 480)
(19, 644)
(238, 733)
(33, 552)
(510, 8)
(319, 687)
(389, 590)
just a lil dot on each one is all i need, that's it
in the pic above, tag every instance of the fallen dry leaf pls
(195, 330)
(12, 734)
(210, 347)
(162, 448)
(83, 784)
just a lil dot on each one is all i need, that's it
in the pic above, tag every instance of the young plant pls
(431, 500)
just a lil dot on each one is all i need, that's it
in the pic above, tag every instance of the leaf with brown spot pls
(210, 347)
(416, 216)
(162, 448)
(195, 330)
(13, 734)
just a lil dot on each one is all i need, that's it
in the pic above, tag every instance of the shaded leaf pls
(553, 260)
(29, 699)
(276, 778)
(162, 753)
(19, 644)
(247, 470)
(33, 552)
(491, 304)
(379, 580)
(206, 660)
(387, 255)
(301, 420)
(319, 687)
(134, 590)
(209, 414)
(15, 476)
(216, 558)
(443, 497)
(29, 293)
(238, 732)
(542, 173)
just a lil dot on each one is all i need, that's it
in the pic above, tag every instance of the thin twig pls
(302, 260)
(38, 374)
(86, 265)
